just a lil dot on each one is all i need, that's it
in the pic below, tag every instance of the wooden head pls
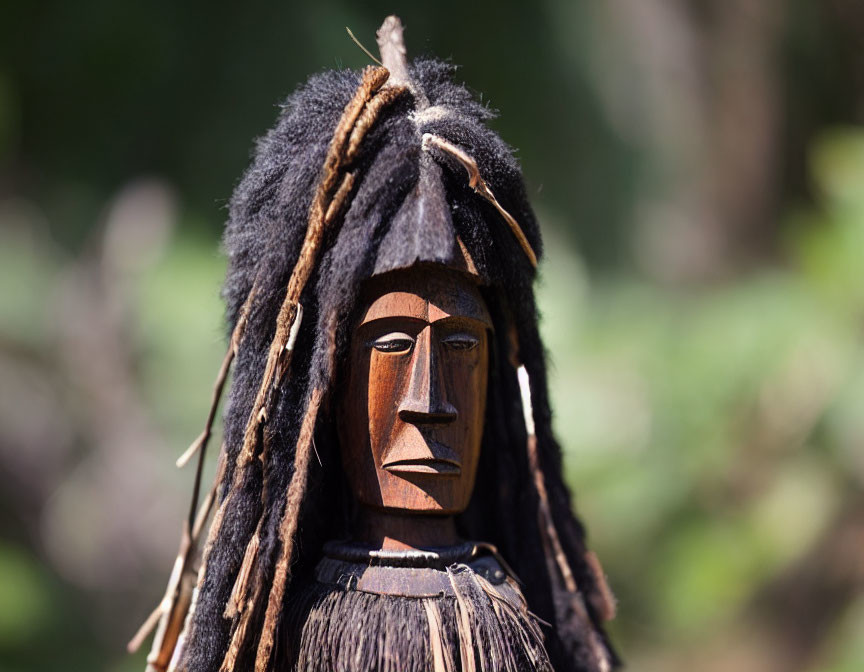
(412, 411)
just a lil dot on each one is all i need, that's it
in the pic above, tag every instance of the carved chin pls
(421, 488)
(423, 472)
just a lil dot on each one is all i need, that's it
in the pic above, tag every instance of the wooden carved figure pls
(390, 493)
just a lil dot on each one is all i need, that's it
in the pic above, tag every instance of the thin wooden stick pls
(146, 628)
(210, 498)
(391, 45)
(478, 184)
(185, 555)
(236, 337)
(606, 604)
(362, 48)
(194, 523)
(201, 442)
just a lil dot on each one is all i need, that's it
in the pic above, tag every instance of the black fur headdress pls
(362, 175)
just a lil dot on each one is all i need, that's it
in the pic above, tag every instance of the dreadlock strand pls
(237, 601)
(287, 528)
(278, 360)
(240, 603)
(373, 78)
(325, 207)
(241, 628)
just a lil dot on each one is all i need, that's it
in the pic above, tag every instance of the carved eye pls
(461, 342)
(396, 341)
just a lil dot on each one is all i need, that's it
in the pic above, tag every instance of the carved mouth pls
(430, 457)
(423, 456)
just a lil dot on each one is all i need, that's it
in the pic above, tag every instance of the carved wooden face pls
(412, 412)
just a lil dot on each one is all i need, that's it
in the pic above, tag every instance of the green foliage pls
(719, 430)
(713, 435)
(25, 597)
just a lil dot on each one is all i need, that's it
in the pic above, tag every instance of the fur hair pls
(380, 230)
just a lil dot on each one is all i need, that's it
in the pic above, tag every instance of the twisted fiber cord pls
(325, 207)
(297, 487)
(478, 184)
(238, 602)
(368, 118)
(340, 197)
(287, 529)
(237, 599)
(246, 607)
(241, 629)
(372, 80)
(277, 359)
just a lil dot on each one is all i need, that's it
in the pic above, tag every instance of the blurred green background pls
(698, 168)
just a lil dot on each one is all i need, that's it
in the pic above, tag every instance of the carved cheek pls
(467, 381)
(388, 376)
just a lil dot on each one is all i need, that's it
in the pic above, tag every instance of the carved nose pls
(425, 401)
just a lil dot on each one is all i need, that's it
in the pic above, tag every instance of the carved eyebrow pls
(467, 321)
(394, 319)
(461, 340)
(454, 320)
(398, 305)
(410, 306)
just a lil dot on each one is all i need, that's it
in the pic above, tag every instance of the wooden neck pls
(396, 531)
